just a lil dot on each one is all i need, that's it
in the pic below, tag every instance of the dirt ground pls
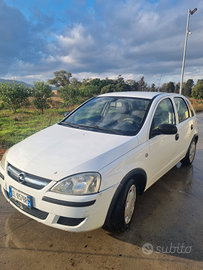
(166, 231)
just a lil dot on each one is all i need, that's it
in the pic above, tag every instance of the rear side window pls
(182, 109)
(190, 108)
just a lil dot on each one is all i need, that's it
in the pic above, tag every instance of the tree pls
(95, 82)
(75, 82)
(14, 95)
(177, 88)
(187, 90)
(109, 81)
(122, 87)
(61, 79)
(108, 88)
(142, 85)
(197, 91)
(98, 84)
(163, 88)
(133, 85)
(153, 88)
(92, 90)
(42, 93)
(70, 94)
(170, 87)
(85, 81)
(120, 79)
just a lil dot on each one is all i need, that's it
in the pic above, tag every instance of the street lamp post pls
(184, 53)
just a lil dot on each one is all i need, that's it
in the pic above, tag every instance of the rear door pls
(185, 125)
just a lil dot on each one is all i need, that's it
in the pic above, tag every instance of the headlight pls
(85, 183)
(3, 160)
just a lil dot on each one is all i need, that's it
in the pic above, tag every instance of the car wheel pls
(188, 159)
(124, 207)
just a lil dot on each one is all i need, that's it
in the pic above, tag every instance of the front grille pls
(26, 178)
(32, 211)
(70, 221)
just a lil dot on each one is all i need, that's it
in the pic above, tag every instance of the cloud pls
(21, 40)
(132, 38)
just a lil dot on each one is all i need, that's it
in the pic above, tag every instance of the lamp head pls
(193, 11)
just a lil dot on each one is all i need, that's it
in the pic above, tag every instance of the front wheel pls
(188, 159)
(124, 207)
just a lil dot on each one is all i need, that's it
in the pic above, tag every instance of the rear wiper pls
(100, 128)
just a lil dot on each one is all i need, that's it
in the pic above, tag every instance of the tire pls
(124, 207)
(188, 159)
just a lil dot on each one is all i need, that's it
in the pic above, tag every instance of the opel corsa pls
(86, 171)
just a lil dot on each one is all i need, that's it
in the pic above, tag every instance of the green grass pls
(18, 126)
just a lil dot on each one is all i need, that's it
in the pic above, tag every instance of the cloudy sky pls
(100, 38)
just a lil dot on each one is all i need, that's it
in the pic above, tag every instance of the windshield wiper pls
(90, 126)
(100, 128)
(69, 124)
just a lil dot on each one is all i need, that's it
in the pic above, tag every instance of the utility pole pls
(185, 46)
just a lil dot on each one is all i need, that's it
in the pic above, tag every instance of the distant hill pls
(28, 85)
(11, 81)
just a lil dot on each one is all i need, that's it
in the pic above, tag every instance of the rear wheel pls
(188, 159)
(124, 207)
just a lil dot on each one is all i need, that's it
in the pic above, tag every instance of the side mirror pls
(168, 129)
(165, 129)
(66, 113)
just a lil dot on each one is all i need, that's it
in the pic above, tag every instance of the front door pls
(163, 148)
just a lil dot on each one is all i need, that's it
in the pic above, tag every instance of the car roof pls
(137, 94)
(148, 95)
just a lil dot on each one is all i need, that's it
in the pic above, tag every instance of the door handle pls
(191, 127)
(177, 136)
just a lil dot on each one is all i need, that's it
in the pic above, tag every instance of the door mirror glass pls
(168, 129)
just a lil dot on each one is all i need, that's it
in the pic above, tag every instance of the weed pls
(16, 127)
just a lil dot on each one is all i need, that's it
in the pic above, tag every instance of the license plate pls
(20, 197)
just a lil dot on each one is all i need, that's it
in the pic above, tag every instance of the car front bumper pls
(67, 212)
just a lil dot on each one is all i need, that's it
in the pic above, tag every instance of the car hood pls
(59, 151)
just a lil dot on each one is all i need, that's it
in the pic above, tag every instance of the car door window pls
(182, 109)
(190, 108)
(164, 114)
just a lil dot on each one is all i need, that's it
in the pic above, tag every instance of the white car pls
(86, 171)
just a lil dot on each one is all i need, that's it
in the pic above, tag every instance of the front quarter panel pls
(117, 170)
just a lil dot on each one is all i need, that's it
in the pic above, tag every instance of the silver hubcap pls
(130, 204)
(192, 151)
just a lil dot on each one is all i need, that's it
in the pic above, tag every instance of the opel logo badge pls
(21, 178)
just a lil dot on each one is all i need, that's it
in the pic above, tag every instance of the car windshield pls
(116, 115)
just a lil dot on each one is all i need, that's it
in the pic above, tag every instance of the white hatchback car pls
(86, 171)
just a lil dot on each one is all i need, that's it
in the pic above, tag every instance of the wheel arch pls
(140, 177)
(196, 137)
